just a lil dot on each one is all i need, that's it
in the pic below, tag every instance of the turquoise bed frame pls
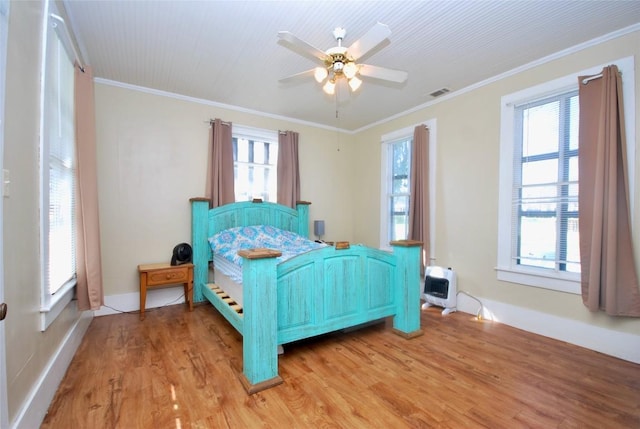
(317, 292)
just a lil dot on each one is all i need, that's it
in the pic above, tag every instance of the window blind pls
(545, 192)
(59, 151)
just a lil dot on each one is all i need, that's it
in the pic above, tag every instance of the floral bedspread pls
(227, 243)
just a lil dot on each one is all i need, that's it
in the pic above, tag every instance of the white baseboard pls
(614, 343)
(130, 302)
(35, 407)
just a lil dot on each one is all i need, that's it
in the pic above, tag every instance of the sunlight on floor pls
(175, 406)
(486, 315)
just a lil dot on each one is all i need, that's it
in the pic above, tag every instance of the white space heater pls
(440, 289)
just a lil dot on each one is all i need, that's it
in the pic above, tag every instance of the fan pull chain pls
(337, 123)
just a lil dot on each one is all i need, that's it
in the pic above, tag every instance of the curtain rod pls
(586, 80)
(211, 121)
(69, 39)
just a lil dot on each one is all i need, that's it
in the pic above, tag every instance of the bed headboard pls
(259, 213)
(205, 222)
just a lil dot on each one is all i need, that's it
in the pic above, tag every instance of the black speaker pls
(182, 254)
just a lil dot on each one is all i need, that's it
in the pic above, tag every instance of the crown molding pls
(544, 60)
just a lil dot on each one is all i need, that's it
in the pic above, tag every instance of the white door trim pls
(4, 34)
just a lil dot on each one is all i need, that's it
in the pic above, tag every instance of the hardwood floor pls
(176, 369)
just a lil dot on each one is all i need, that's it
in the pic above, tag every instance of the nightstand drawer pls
(167, 276)
(161, 274)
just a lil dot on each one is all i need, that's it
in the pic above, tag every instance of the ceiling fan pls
(339, 64)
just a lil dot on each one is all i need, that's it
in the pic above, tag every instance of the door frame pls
(4, 35)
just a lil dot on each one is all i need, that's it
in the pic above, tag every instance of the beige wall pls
(468, 141)
(28, 350)
(152, 158)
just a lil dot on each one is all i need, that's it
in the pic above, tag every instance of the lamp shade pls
(329, 87)
(318, 228)
(350, 69)
(354, 84)
(320, 74)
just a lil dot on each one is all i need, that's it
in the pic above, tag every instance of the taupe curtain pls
(219, 185)
(609, 277)
(288, 171)
(419, 185)
(88, 257)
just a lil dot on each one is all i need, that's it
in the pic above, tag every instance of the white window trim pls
(506, 269)
(259, 134)
(54, 304)
(5, 7)
(392, 137)
(51, 305)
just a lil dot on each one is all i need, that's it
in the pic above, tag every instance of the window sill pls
(57, 302)
(566, 283)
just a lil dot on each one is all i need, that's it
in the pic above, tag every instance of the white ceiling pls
(227, 51)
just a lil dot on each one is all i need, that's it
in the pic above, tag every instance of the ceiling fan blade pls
(305, 74)
(301, 47)
(383, 73)
(370, 40)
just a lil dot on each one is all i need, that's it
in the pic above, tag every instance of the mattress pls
(227, 243)
(228, 268)
(227, 284)
(228, 264)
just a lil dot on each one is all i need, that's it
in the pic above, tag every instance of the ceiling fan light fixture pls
(320, 74)
(350, 69)
(329, 87)
(342, 62)
(354, 83)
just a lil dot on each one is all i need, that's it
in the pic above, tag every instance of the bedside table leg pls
(188, 292)
(143, 294)
(188, 295)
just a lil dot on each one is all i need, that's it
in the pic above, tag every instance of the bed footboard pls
(406, 321)
(260, 327)
(319, 292)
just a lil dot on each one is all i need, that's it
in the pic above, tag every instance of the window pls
(545, 200)
(396, 183)
(57, 170)
(398, 191)
(538, 239)
(255, 156)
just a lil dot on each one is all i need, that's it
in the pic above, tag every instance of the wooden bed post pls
(260, 327)
(199, 245)
(406, 322)
(303, 218)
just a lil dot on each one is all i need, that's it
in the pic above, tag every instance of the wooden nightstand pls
(162, 275)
